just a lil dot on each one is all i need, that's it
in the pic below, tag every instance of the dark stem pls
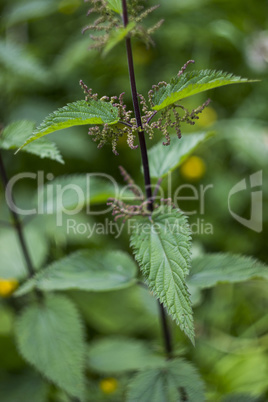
(136, 106)
(145, 162)
(17, 223)
(165, 330)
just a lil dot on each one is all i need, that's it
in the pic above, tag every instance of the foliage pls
(173, 381)
(113, 350)
(85, 270)
(15, 134)
(189, 84)
(163, 253)
(77, 113)
(212, 269)
(163, 160)
(46, 334)
(119, 355)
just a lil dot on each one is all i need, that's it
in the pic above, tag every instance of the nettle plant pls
(48, 330)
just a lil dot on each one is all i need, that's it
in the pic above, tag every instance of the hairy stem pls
(17, 223)
(145, 163)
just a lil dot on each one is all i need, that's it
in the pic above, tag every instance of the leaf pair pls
(100, 112)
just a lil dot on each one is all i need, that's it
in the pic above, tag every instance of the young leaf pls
(119, 355)
(76, 114)
(162, 248)
(115, 5)
(212, 269)
(192, 83)
(116, 37)
(174, 381)
(86, 270)
(49, 336)
(165, 159)
(15, 134)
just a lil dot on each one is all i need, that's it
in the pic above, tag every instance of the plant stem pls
(17, 223)
(145, 163)
(136, 106)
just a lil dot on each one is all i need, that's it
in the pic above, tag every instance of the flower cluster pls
(168, 119)
(109, 21)
(126, 211)
(112, 133)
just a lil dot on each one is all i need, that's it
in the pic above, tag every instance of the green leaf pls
(176, 380)
(15, 135)
(77, 191)
(192, 83)
(164, 159)
(130, 311)
(49, 336)
(118, 355)
(117, 36)
(12, 260)
(86, 270)
(212, 269)
(76, 114)
(22, 64)
(30, 10)
(247, 138)
(115, 5)
(241, 398)
(162, 248)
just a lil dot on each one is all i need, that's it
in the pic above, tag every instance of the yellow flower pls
(108, 385)
(207, 117)
(194, 168)
(8, 286)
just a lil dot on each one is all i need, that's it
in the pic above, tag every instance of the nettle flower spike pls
(170, 118)
(109, 26)
(124, 210)
(111, 133)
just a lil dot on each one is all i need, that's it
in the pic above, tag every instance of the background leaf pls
(29, 10)
(50, 337)
(78, 191)
(118, 355)
(192, 83)
(86, 270)
(164, 159)
(76, 114)
(212, 269)
(16, 59)
(15, 135)
(11, 257)
(175, 381)
(128, 312)
(162, 248)
(115, 5)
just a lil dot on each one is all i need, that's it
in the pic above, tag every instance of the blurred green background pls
(43, 55)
